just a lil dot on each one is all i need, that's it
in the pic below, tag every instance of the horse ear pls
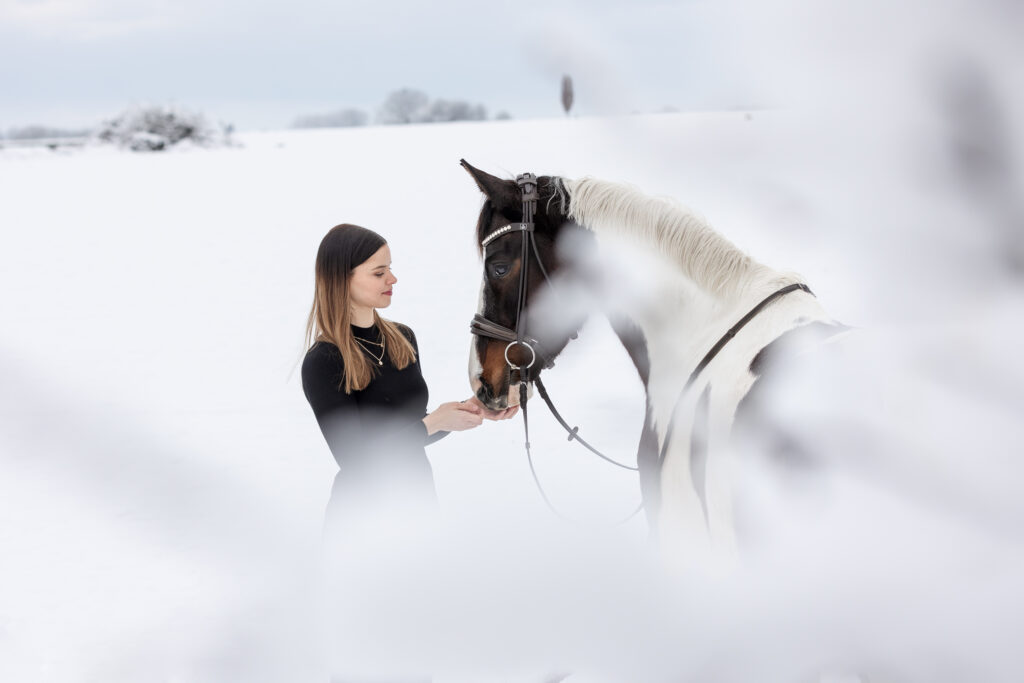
(500, 192)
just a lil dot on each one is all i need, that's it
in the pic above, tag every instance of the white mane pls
(710, 260)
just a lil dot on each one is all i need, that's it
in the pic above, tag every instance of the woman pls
(361, 375)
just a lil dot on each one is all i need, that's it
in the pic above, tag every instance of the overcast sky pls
(262, 64)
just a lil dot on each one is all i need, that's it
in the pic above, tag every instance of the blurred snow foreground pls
(161, 511)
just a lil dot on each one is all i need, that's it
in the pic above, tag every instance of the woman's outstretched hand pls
(458, 417)
(489, 414)
(454, 417)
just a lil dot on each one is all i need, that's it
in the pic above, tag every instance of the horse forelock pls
(710, 260)
(556, 190)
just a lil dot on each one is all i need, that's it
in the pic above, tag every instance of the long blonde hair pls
(342, 249)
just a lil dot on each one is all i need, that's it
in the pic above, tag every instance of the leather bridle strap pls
(527, 183)
(719, 345)
(482, 327)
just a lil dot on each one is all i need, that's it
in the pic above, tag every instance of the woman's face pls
(371, 281)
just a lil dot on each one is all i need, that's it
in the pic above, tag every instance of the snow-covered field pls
(162, 480)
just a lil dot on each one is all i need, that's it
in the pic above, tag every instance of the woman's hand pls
(489, 414)
(454, 417)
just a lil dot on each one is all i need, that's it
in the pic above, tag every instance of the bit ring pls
(533, 354)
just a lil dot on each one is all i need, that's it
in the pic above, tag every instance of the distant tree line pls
(406, 105)
(149, 128)
(343, 118)
(43, 132)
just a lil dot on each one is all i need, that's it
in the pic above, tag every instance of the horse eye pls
(499, 269)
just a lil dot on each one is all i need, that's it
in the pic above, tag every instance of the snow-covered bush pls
(156, 128)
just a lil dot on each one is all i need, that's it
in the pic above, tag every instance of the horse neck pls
(710, 263)
(702, 273)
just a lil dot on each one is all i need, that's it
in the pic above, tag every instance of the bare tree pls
(566, 94)
(404, 106)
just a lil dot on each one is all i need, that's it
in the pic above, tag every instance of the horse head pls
(513, 303)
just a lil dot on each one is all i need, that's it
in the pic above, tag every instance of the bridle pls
(482, 327)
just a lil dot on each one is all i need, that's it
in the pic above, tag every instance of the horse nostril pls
(485, 392)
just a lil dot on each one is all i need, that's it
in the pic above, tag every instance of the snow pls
(163, 481)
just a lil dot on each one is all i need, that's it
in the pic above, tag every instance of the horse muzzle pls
(499, 398)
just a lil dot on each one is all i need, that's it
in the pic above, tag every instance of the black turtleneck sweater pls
(376, 434)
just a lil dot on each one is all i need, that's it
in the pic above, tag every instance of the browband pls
(505, 230)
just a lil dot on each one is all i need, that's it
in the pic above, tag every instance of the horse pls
(698, 318)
